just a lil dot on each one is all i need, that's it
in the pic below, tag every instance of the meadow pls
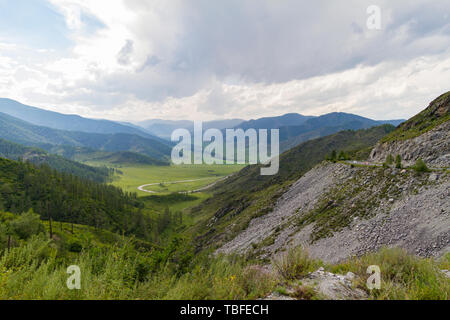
(133, 176)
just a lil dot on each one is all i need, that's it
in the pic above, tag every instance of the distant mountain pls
(296, 128)
(123, 158)
(61, 121)
(290, 119)
(291, 136)
(164, 128)
(14, 151)
(83, 154)
(19, 131)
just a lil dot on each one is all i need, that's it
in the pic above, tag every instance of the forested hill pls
(67, 198)
(19, 131)
(14, 151)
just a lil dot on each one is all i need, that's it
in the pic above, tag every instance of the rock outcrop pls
(433, 147)
(426, 136)
(324, 285)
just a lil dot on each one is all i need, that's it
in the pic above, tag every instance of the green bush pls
(27, 225)
(398, 162)
(389, 159)
(75, 246)
(421, 166)
(294, 264)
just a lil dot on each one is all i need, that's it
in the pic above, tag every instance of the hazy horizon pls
(176, 120)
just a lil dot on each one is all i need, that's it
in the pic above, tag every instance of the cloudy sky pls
(200, 59)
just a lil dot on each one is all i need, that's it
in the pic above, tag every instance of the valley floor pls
(167, 179)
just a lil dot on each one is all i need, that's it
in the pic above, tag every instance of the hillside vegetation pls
(309, 232)
(114, 267)
(425, 137)
(14, 151)
(64, 197)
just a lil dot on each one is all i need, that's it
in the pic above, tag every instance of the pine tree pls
(398, 162)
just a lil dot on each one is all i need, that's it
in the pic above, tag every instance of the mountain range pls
(19, 131)
(76, 137)
(55, 120)
(164, 128)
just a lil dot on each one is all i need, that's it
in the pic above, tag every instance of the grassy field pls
(135, 176)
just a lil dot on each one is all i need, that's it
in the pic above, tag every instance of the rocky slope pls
(337, 211)
(433, 147)
(426, 136)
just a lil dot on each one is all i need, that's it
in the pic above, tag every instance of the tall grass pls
(36, 270)
(33, 271)
(295, 264)
(403, 276)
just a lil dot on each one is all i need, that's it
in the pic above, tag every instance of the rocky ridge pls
(433, 147)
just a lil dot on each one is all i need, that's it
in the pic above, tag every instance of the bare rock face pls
(426, 136)
(433, 147)
(334, 286)
(325, 286)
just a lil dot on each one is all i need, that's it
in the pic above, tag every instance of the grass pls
(295, 264)
(120, 269)
(403, 276)
(34, 271)
(138, 175)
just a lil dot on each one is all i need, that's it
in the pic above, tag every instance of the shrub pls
(332, 157)
(295, 264)
(305, 293)
(420, 166)
(398, 162)
(75, 246)
(27, 225)
(389, 159)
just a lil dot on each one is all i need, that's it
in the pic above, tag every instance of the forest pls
(61, 197)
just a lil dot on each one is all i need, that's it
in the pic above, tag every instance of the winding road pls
(141, 188)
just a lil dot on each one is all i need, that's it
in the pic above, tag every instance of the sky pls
(133, 60)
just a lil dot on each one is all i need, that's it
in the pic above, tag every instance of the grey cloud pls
(278, 41)
(151, 61)
(124, 55)
(264, 41)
